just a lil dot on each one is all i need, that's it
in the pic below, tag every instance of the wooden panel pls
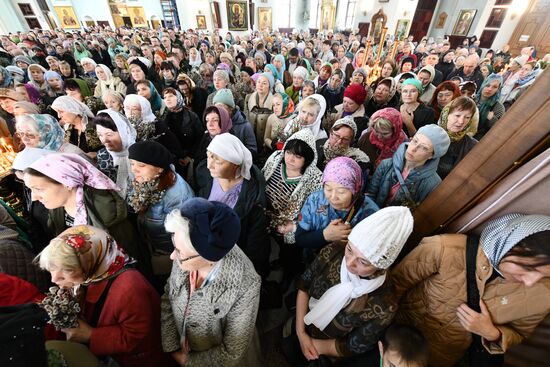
(487, 38)
(517, 137)
(496, 18)
(422, 18)
(535, 22)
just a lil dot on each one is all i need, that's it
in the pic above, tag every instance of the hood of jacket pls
(426, 170)
(238, 117)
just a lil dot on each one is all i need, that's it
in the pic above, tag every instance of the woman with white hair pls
(74, 116)
(211, 299)
(107, 82)
(140, 115)
(345, 301)
(229, 176)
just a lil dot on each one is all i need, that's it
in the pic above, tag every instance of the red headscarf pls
(388, 146)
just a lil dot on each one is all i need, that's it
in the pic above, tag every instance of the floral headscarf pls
(389, 146)
(288, 105)
(99, 255)
(69, 104)
(344, 171)
(73, 171)
(180, 103)
(470, 128)
(50, 133)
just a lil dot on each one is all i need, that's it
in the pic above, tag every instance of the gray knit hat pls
(439, 138)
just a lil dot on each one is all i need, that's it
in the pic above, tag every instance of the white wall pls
(394, 10)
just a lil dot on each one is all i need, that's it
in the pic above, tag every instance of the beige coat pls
(432, 280)
(116, 84)
(258, 115)
(272, 127)
(221, 316)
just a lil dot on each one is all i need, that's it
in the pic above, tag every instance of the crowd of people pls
(167, 176)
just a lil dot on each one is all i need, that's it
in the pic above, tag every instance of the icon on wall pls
(67, 17)
(464, 22)
(137, 15)
(237, 15)
(201, 22)
(264, 19)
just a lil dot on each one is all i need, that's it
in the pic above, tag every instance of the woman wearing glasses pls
(210, 303)
(409, 176)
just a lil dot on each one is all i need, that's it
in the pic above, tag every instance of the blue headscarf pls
(6, 82)
(273, 71)
(486, 106)
(280, 73)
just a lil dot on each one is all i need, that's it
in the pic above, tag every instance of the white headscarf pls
(315, 128)
(69, 104)
(107, 72)
(120, 159)
(230, 148)
(88, 59)
(28, 156)
(146, 112)
(379, 237)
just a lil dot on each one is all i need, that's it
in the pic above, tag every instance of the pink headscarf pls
(388, 146)
(344, 171)
(73, 171)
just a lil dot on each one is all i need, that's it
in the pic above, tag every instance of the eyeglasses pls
(178, 254)
(27, 135)
(415, 143)
(339, 138)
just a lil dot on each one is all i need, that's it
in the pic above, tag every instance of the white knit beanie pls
(381, 236)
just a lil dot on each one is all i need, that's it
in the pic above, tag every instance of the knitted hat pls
(270, 78)
(381, 236)
(360, 71)
(408, 59)
(415, 82)
(439, 138)
(247, 70)
(227, 55)
(356, 92)
(224, 96)
(151, 152)
(301, 72)
(346, 121)
(214, 227)
(15, 69)
(24, 59)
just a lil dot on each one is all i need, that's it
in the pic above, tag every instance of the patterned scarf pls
(388, 146)
(144, 194)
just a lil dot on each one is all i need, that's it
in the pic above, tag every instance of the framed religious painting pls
(402, 29)
(265, 19)
(137, 15)
(464, 22)
(67, 17)
(215, 9)
(237, 15)
(328, 11)
(441, 20)
(201, 22)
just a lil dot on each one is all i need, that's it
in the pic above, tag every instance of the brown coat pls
(432, 279)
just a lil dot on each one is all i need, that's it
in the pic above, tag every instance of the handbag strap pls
(402, 184)
(473, 297)
(101, 301)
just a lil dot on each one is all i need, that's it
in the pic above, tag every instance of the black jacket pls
(254, 238)
(187, 128)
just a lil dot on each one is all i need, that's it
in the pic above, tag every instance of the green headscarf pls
(486, 106)
(83, 86)
(415, 82)
(288, 105)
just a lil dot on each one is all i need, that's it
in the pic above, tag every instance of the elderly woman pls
(310, 114)
(212, 296)
(459, 118)
(487, 99)
(385, 95)
(329, 214)
(352, 106)
(339, 144)
(117, 135)
(183, 122)
(228, 176)
(384, 136)
(87, 261)
(44, 132)
(194, 96)
(443, 95)
(340, 289)
(258, 106)
(156, 189)
(299, 76)
(107, 82)
(74, 116)
(409, 176)
(283, 109)
(138, 111)
(508, 268)
(75, 193)
(217, 121)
